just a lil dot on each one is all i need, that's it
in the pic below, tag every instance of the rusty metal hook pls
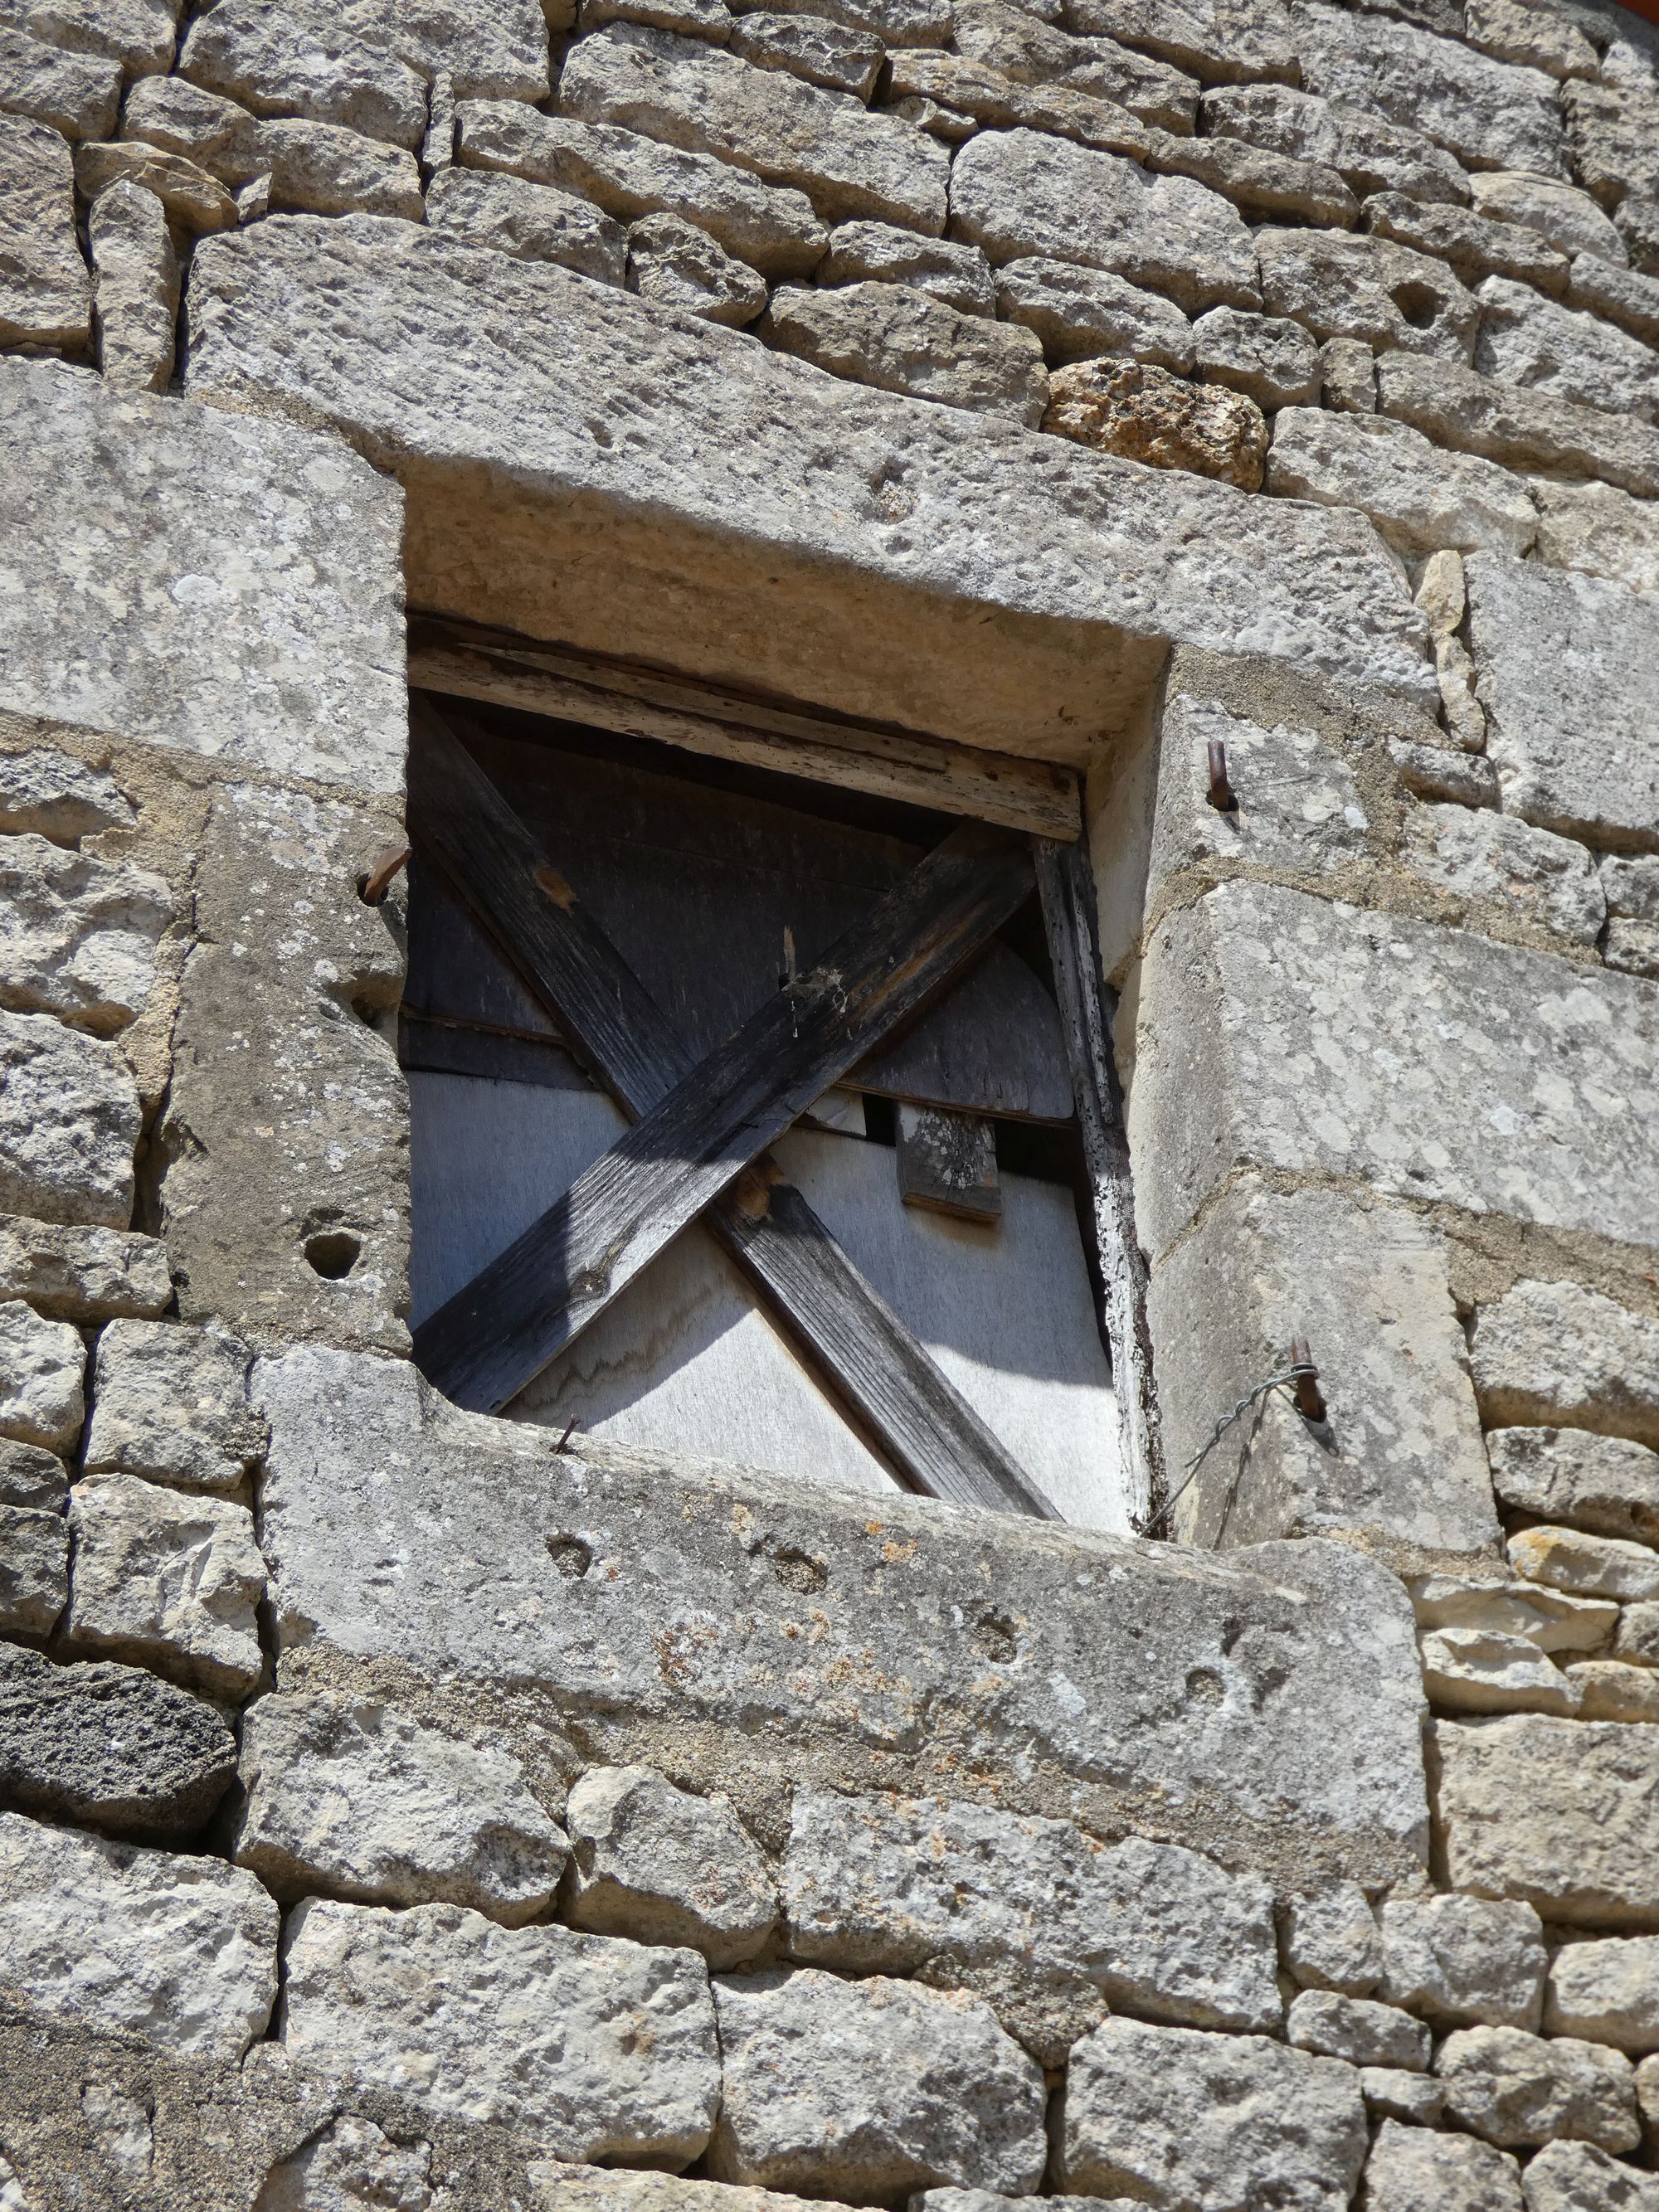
(1220, 794)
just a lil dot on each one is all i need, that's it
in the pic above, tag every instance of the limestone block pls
(80, 1274)
(1269, 187)
(871, 2088)
(1471, 413)
(44, 296)
(1601, 530)
(76, 94)
(1270, 360)
(320, 167)
(1444, 770)
(1373, 154)
(1632, 888)
(1367, 287)
(41, 1366)
(1606, 1993)
(1081, 313)
(537, 222)
(1207, 2121)
(1218, 41)
(1416, 2101)
(1486, 858)
(1036, 51)
(602, 2048)
(34, 1569)
(179, 1952)
(61, 797)
(399, 316)
(1564, 1813)
(77, 935)
(32, 1477)
(1636, 221)
(812, 48)
(1632, 948)
(1016, 193)
(285, 1199)
(166, 1580)
(663, 1866)
(888, 1883)
(1618, 295)
(772, 227)
(1588, 1566)
(1517, 2090)
(1568, 219)
(1490, 114)
(196, 202)
(961, 94)
(1599, 1484)
(1547, 348)
(352, 2165)
(1145, 413)
(1511, 31)
(1464, 1961)
(111, 1748)
(1421, 499)
(558, 2186)
(141, 33)
(1411, 2171)
(1608, 1690)
(671, 262)
(959, 276)
(136, 287)
(901, 340)
(1329, 1940)
(1554, 1352)
(1636, 1639)
(1575, 2177)
(1477, 1670)
(1611, 131)
(851, 161)
(1475, 245)
(281, 60)
(899, 23)
(1349, 373)
(1364, 2032)
(170, 1403)
(350, 1796)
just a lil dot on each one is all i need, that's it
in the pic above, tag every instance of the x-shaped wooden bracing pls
(698, 1146)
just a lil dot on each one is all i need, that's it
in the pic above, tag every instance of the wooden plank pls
(947, 1163)
(1088, 1005)
(494, 1055)
(866, 1357)
(464, 661)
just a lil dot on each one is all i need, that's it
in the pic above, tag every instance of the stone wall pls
(396, 1810)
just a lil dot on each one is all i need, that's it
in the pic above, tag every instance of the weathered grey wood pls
(864, 1354)
(1087, 1007)
(440, 1048)
(948, 1162)
(465, 661)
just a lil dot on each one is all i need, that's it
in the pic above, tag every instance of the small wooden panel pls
(468, 662)
(948, 1163)
(439, 1048)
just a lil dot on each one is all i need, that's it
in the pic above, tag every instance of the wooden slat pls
(1088, 1005)
(865, 1354)
(462, 661)
(947, 1164)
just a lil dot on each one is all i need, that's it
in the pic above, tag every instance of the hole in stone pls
(1418, 304)
(570, 1555)
(1204, 1688)
(333, 1253)
(796, 1571)
(997, 1638)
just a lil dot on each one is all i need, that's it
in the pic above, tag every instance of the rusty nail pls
(1309, 1399)
(570, 1429)
(1221, 791)
(374, 887)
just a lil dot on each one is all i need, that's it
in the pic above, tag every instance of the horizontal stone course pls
(656, 1862)
(900, 340)
(1556, 1353)
(1464, 1961)
(1520, 2090)
(170, 1403)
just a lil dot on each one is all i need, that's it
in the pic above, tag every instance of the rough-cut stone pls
(1273, 362)
(32, 1477)
(461, 369)
(602, 2048)
(1566, 354)
(895, 22)
(180, 1952)
(1564, 1813)
(195, 201)
(1367, 287)
(1269, 187)
(672, 262)
(1422, 500)
(283, 60)
(1611, 131)
(1143, 414)
(1632, 888)
(1608, 1690)
(1410, 2170)
(168, 1581)
(1016, 193)
(1079, 312)
(136, 287)
(1482, 858)
(1372, 154)
(141, 33)
(901, 340)
(1618, 295)
(1329, 1940)
(1475, 414)
(1573, 2177)
(348, 1796)
(1479, 1671)
(658, 1864)
(1596, 528)
(537, 222)
(1348, 372)
(60, 796)
(45, 298)
(82, 1274)
(1488, 113)
(1560, 214)
(1208, 2122)
(76, 94)
(77, 935)
(1636, 221)
(321, 168)
(959, 276)
(1555, 1351)
(1632, 948)
(1464, 1961)
(41, 1366)
(1415, 2100)
(811, 47)
(1606, 1993)
(1513, 31)
(1356, 2028)
(771, 226)
(1517, 2090)
(886, 1883)
(170, 1403)
(1637, 1638)
(352, 2165)
(1444, 770)
(1219, 41)
(109, 1748)
(853, 162)
(870, 2088)
(1025, 47)
(34, 1569)
(961, 94)
(1475, 245)
(1588, 1566)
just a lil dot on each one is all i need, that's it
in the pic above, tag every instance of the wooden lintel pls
(463, 661)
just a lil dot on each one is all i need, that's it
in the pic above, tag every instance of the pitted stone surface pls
(34, 1569)
(1410, 2170)
(296, 61)
(1268, 358)
(108, 1747)
(1221, 41)
(537, 222)
(1143, 414)
(60, 796)
(80, 1274)
(872, 2088)
(1080, 312)
(604, 2049)
(1598, 528)
(1209, 2121)
(1474, 414)
(1518, 2090)
(32, 1477)
(1475, 245)
(289, 161)
(1357, 2029)
(351, 1797)
(1422, 499)
(1416, 2101)
(1568, 218)
(42, 1364)
(1373, 154)
(180, 1952)
(1555, 1351)
(351, 2167)
(832, 54)
(959, 276)
(1342, 286)
(1481, 1670)
(170, 1403)
(1563, 353)
(44, 296)
(77, 935)
(141, 33)
(672, 262)
(1329, 1940)
(663, 1866)
(900, 1666)
(76, 94)
(1036, 51)
(249, 597)
(1606, 1993)
(900, 340)
(1481, 858)
(872, 1883)
(1464, 1961)
(1574, 2177)
(134, 287)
